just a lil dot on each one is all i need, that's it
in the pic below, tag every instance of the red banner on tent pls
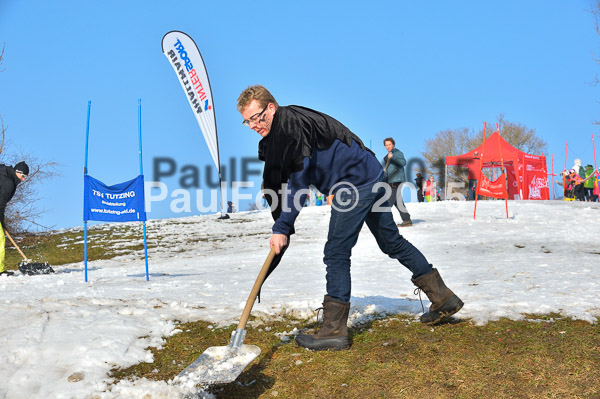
(535, 178)
(494, 189)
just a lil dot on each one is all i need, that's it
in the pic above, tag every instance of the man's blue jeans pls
(350, 209)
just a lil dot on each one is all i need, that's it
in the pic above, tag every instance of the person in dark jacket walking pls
(419, 183)
(9, 180)
(300, 147)
(394, 163)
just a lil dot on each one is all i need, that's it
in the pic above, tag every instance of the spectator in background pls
(568, 177)
(230, 207)
(430, 190)
(318, 199)
(473, 176)
(578, 189)
(589, 184)
(419, 181)
(472, 190)
(596, 191)
(393, 164)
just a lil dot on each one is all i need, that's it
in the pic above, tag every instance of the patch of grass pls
(396, 357)
(59, 248)
(107, 241)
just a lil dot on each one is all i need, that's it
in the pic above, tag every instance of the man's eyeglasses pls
(254, 118)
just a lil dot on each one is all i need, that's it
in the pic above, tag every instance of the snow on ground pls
(60, 336)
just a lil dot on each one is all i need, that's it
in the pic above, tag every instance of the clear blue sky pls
(384, 68)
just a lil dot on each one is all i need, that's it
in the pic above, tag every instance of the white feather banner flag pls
(185, 58)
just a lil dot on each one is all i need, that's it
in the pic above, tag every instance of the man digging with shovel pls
(9, 180)
(303, 147)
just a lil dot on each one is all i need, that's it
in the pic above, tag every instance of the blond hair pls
(258, 93)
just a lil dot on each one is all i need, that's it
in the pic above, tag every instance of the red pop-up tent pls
(527, 177)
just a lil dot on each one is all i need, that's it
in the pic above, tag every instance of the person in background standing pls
(472, 177)
(578, 189)
(419, 182)
(394, 163)
(596, 190)
(230, 207)
(430, 190)
(589, 184)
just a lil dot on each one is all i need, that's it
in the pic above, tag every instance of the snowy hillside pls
(60, 336)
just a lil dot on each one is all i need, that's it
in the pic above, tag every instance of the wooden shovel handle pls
(257, 284)
(15, 244)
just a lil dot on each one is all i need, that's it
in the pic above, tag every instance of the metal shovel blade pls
(218, 365)
(223, 364)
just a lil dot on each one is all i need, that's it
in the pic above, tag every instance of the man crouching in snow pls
(303, 147)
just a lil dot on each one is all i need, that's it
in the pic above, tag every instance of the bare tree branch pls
(2, 134)
(23, 211)
(1, 57)
(595, 11)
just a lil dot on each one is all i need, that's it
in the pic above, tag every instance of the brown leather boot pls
(444, 302)
(333, 334)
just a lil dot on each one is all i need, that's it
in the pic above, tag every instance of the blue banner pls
(123, 202)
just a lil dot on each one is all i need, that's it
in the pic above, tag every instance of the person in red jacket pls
(430, 190)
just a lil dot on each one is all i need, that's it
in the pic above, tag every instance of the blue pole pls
(85, 248)
(140, 133)
(142, 173)
(146, 252)
(87, 135)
